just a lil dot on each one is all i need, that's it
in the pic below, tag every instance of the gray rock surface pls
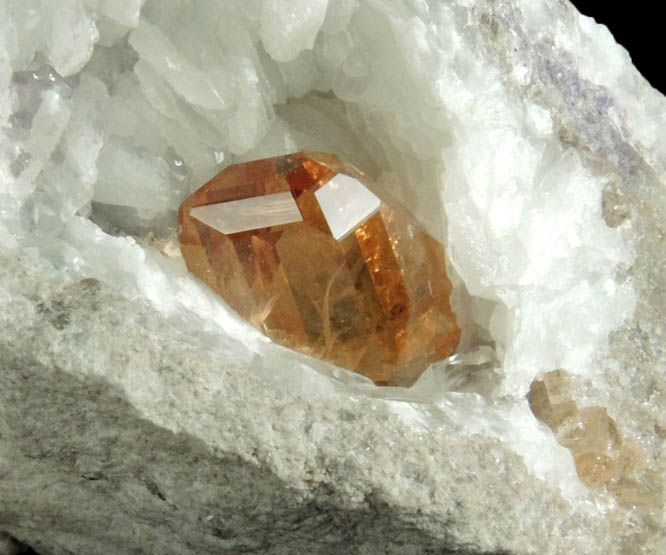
(246, 467)
(133, 421)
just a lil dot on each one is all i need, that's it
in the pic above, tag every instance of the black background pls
(639, 27)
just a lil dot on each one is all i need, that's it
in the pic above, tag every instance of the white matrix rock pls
(139, 414)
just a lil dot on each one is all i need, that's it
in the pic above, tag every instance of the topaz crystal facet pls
(312, 253)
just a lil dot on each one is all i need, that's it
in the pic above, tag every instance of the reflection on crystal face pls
(250, 213)
(313, 254)
(346, 202)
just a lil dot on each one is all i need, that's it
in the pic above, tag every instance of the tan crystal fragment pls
(631, 459)
(313, 254)
(642, 490)
(594, 469)
(591, 430)
(602, 459)
(549, 401)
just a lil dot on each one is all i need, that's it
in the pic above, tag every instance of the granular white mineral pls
(139, 414)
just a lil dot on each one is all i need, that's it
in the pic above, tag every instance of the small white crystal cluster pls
(112, 111)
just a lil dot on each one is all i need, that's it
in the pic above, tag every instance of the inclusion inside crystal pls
(312, 253)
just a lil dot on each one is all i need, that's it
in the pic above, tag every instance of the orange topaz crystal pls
(308, 250)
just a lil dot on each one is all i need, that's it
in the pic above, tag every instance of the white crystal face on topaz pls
(250, 213)
(346, 202)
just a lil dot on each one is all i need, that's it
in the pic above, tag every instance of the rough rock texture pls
(138, 414)
(228, 461)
